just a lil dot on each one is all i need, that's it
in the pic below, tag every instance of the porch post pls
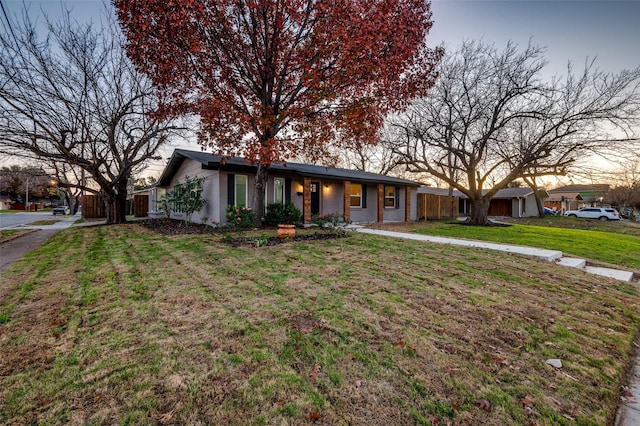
(407, 204)
(346, 198)
(380, 203)
(306, 199)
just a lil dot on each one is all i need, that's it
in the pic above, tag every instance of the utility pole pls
(26, 202)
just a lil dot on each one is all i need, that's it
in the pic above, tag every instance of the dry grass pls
(122, 325)
(11, 234)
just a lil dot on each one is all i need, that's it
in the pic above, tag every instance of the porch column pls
(407, 204)
(306, 199)
(346, 192)
(380, 203)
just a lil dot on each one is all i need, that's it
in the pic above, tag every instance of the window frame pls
(393, 197)
(283, 184)
(353, 196)
(246, 190)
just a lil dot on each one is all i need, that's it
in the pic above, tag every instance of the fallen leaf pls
(279, 404)
(357, 383)
(350, 356)
(400, 344)
(433, 419)
(483, 404)
(314, 372)
(526, 401)
(455, 406)
(314, 416)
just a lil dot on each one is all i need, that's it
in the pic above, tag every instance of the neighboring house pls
(513, 202)
(316, 190)
(574, 197)
(5, 202)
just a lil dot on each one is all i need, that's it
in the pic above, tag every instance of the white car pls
(594, 213)
(64, 210)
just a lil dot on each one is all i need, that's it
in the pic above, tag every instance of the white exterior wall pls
(210, 187)
(524, 207)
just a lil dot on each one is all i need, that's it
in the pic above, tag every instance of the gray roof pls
(215, 162)
(502, 193)
(600, 187)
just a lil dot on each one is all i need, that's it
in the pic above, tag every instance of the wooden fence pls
(433, 207)
(93, 207)
(140, 205)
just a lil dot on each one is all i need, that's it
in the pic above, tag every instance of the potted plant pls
(284, 216)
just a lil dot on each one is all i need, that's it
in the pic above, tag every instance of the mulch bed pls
(232, 238)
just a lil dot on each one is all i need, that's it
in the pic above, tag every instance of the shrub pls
(278, 213)
(335, 222)
(240, 217)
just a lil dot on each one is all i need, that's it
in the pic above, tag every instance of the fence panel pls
(93, 207)
(433, 207)
(140, 205)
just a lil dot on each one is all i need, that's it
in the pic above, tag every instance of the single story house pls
(5, 202)
(316, 190)
(573, 197)
(513, 202)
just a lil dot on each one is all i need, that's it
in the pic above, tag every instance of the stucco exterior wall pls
(370, 213)
(209, 190)
(332, 198)
(393, 214)
(524, 207)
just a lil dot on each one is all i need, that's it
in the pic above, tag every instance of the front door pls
(315, 198)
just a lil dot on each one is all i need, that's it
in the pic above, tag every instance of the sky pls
(574, 30)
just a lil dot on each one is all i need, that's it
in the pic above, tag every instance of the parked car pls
(60, 210)
(549, 211)
(594, 213)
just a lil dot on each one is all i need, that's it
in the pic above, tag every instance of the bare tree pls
(74, 102)
(626, 189)
(491, 119)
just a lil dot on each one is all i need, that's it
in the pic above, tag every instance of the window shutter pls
(231, 189)
(287, 190)
(397, 197)
(364, 196)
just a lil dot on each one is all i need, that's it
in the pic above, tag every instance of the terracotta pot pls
(286, 231)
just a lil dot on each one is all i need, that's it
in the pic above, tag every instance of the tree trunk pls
(258, 195)
(116, 203)
(479, 212)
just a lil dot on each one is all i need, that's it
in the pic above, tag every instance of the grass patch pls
(10, 234)
(615, 243)
(44, 222)
(119, 324)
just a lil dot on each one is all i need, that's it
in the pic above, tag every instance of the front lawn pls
(615, 243)
(122, 325)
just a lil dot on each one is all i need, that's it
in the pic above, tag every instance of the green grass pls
(616, 248)
(119, 325)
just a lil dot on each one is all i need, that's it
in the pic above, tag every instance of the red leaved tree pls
(271, 79)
